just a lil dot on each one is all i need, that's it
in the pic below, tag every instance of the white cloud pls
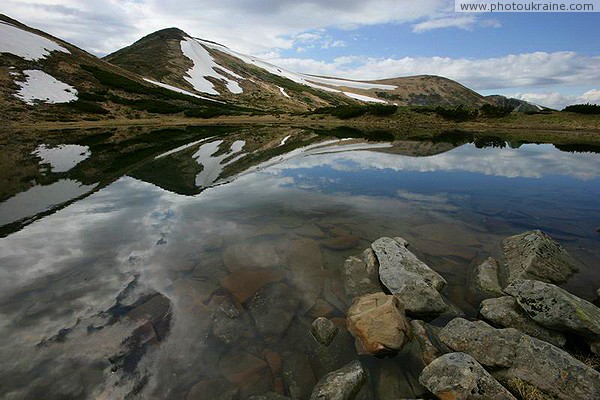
(251, 26)
(539, 69)
(557, 100)
(463, 22)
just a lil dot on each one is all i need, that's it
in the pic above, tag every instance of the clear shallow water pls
(85, 291)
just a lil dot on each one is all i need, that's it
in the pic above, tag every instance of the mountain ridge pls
(170, 72)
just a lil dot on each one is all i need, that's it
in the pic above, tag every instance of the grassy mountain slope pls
(103, 90)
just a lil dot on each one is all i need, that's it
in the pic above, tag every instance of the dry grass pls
(526, 391)
(591, 360)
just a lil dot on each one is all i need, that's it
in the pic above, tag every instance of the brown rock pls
(340, 242)
(429, 350)
(378, 323)
(244, 284)
(240, 367)
(274, 361)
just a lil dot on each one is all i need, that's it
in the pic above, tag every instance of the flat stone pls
(555, 308)
(272, 309)
(255, 255)
(408, 278)
(243, 284)
(323, 330)
(378, 323)
(504, 312)
(484, 281)
(343, 384)
(459, 376)
(535, 255)
(228, 324)
(515, 355)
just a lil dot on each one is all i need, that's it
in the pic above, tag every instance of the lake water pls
(179, 264)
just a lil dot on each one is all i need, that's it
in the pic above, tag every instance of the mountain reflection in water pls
(146, 285)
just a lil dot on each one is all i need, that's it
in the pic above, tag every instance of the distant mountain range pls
(170, 72)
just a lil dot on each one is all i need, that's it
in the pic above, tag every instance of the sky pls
(552, 59)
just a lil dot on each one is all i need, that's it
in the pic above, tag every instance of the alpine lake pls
(189, 263)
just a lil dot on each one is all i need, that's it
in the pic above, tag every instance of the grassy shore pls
(557, 127)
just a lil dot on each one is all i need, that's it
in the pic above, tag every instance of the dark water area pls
(180, 264)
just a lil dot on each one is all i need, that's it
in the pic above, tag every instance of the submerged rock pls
(555, 308)
(484, 282)
(272, 309)
(298, 376)
(228, 322)
(459, 376)
(269, 396)
(250, 374)
(360, 278)
(535, 255)
(378, 323)
(346, 242)
(506, 313)
(323, 330)
(244, 284)
(343, 384)
(408, 278)
(218, 389)
(514, 355)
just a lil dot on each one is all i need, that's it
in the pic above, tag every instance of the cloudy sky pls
(552, 59)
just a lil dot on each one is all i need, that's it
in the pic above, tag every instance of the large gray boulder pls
(459, 376)
(484, 282)
(514, 355)
(535, 255)
(343, 384)
(378, 323)
(505, 312)
(408, 278)
(555, 308)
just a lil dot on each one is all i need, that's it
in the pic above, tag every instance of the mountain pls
(172, 57)
(45, 78)
(517, 105)
(169, 72)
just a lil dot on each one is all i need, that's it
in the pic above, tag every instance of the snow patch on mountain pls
(364, 98)
(26, 45)
(309, 80)
(350, 84)
(41, 87)
(282, 90)
(205, 66)
(176, 89)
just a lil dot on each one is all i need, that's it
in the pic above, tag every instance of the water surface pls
(148, 283)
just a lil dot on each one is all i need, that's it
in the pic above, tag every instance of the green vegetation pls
(347, 112)
(87, 107)
(490, 111)
(586, 108)
(458, 114)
